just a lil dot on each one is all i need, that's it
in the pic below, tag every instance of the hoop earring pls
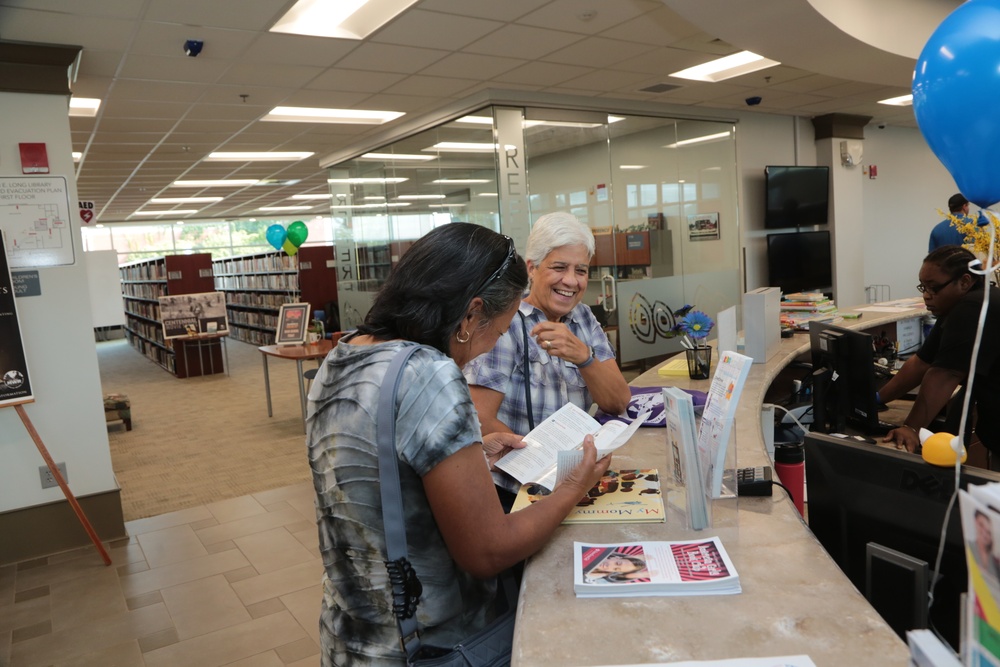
(458, 337)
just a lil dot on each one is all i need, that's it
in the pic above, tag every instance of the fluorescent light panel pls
(699, 140)
(319, 115)
(463, 147)
(901, 101)
(346, 19)
(257, 156)
(721, 69)
(455, 181)
(631, 167)
(83, 107)
(225, 183)
(341, 207)
(317, 196)
(389, 157)
(363, 181)
(184, 200)
(180, 211)
(77, 156)
(285, 208)
(420, 197)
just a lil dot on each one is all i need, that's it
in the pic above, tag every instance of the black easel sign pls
(14, 384)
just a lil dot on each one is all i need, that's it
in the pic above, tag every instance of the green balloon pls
(297, 233)
(289, 247)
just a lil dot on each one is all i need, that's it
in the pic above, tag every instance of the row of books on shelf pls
(252, 336)
(155, 353)
(148, 309)
(144, 290)
(144, 271)
(278, 261)
(261, 320)
(269, 281)
(259, 299)
(152, 331)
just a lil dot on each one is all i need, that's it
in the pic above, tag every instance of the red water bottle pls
(790, 465)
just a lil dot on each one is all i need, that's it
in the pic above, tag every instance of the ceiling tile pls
(569, 14)
(659, 27)
(100, 33)
(542, 74)
(431, 85)
(468, 65)
(508, 10)
(391, 58)
(597, 52)
(236, 14)
(283, 49)
(434, 30)
(291, 76)
(522, 42)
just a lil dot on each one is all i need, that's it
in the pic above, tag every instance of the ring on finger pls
(547, 344)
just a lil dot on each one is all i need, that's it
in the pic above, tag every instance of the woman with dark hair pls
(453, 292)
(954, 295)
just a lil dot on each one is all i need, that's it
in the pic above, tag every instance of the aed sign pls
(86, 211)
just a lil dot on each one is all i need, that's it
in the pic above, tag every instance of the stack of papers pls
(800, 308)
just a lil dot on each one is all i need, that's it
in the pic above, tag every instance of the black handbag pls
(491, 646)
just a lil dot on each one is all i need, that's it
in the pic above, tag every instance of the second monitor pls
(843, 378)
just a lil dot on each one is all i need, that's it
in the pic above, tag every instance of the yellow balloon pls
(938, 452)
(289, 247)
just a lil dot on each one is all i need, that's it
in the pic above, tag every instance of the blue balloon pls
(276, 236)
(956, 93)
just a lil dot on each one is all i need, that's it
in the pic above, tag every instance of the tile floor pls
(233, 583)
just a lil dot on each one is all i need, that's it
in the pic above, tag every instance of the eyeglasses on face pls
(511, 253)
(934, 289)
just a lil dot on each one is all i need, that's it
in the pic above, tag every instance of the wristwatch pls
(590, 359)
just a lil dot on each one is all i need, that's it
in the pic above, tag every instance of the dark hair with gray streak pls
(428, 293)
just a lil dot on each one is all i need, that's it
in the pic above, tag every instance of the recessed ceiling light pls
(736, 64)
(257, 156)
(486, 194)
(341, 207)
(901, 101)
(463, 147)
(444, 205)
(285, 208)
(179, 222)
(316, 196)
(184, 200)
(83, 106)
(77, 156)
(317, 115)
(374, 198)
(631, 167)
(180, 211)
(615, 119)
(347, 19)
(224, 183)
(462, 180)
(421, 197)
(396, 156)
(698, 140)
(476, 120)
(361, 181)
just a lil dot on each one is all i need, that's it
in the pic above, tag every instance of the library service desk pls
(795, 598)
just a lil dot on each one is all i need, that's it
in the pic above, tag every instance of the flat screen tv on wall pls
(796, 196)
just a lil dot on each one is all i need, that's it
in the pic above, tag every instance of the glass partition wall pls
(658, 193)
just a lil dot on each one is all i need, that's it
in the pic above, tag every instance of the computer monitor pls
(843, 380)
(860, 493)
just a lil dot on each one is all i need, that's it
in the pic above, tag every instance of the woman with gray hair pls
(555, 351)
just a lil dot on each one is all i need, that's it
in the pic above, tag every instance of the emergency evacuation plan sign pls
(34, 213)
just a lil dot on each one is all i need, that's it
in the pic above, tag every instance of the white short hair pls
(555, 230)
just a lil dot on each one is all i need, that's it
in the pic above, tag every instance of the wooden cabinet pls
(143, 282)
(257, 285)
(621, 249)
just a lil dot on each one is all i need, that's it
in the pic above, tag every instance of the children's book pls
(621, 496)
(688, 567)
(554, 447)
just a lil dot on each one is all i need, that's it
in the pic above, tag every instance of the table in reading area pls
(795, 598)
(298, 353)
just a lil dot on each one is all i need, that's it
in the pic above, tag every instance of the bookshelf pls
(256, 285)
(143, 282)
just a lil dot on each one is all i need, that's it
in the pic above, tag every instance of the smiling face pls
(559, 281)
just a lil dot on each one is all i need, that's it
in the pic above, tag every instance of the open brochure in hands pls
(554, 447)
(688, 567)
(620, 496)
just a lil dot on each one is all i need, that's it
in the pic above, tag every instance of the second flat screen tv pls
(796, 196)
(799, 261)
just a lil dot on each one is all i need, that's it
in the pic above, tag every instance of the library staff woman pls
(453, 292)
(955, 296)
(555, 351)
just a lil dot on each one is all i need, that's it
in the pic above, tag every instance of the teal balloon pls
(290, 248)
(956, 91)
(298, 233)
(276, 236)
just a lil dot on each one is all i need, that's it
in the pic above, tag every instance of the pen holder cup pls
(699, 362)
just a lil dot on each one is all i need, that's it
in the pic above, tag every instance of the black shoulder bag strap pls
(527, 373)
(406, 587)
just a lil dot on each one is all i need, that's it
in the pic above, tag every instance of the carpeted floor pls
(202, 439)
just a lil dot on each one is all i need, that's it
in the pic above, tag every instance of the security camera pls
(192, 47)
(881, 126)
(753, 101)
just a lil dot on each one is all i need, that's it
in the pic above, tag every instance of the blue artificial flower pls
(696, 324)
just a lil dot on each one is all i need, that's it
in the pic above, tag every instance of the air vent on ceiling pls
(659, 88)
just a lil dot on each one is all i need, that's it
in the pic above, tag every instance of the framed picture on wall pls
(293, 324)
(703, 227)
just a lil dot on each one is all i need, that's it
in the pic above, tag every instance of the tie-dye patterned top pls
(435, 419)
